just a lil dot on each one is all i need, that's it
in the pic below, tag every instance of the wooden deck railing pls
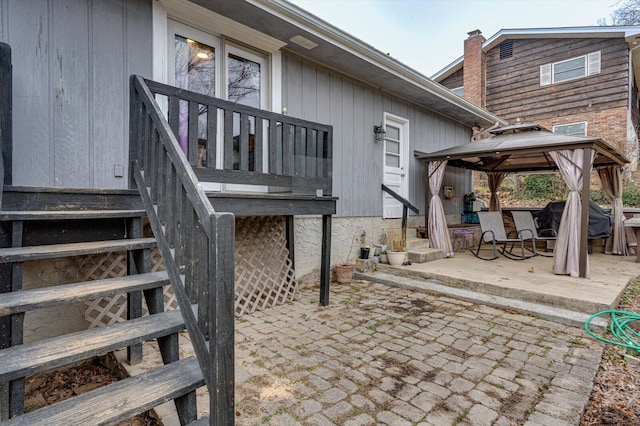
(197, 244)
(226, 142)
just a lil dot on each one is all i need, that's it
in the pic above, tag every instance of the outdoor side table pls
(634, 223)
(462, 234)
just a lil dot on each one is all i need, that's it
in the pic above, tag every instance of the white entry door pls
(396, 155)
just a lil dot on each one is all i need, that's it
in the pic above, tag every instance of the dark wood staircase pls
(176, 380)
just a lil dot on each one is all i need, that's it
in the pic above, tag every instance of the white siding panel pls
(32, 154)
(72, 60)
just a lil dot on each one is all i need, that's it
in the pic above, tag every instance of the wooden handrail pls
(197, 244)
(406, 204)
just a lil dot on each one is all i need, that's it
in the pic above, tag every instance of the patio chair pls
(526, 228)
(493, 233)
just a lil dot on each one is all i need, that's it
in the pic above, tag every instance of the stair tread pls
(23, 360)
(26, 300)
(20, 254)
(120, 400)
(6, 215)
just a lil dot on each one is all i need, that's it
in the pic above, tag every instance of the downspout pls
(497, 124)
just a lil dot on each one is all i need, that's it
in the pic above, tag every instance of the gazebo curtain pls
(495, 180)
(611, 178)
(438, 233)
(566, 259)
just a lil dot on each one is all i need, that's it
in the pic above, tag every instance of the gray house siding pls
(315, 93)
(71, 61)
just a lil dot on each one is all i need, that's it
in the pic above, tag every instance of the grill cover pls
(599, 220)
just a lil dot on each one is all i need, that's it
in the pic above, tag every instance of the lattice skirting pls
(264, 272)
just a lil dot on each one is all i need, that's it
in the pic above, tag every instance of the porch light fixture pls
(380, 133)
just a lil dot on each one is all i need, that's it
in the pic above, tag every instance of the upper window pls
(572, 129)
(570, 69)
(458, 91)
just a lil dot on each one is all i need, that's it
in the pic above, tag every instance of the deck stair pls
(177, 380)
(419, 250)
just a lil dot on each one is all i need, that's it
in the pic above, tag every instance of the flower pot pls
(395, 258)
(377, 250)
(344, 273)
(383, 258)
(364, 252)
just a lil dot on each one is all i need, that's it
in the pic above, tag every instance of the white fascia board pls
(344, 41)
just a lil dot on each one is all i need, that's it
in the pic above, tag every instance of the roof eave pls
(354, 46)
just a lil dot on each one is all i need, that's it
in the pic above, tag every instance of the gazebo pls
(532, 148)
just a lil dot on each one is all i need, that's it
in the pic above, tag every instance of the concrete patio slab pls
(532, 280)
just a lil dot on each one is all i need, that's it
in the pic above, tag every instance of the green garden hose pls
(620, 329)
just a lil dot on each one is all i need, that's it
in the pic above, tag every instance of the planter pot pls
(383, 258)
(375, 259)
(344, 273)
(364, 252)
(377, 250)
(396, 258)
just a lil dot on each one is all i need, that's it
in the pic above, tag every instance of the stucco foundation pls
(55, 321)
(345, 233)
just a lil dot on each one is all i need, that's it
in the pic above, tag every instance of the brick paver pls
(381, 355)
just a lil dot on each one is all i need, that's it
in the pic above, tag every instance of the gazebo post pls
(584, 226)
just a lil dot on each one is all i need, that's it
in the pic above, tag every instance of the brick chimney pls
(475, 69)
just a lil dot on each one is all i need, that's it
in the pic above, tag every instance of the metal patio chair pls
(526, 228)
(493, 233)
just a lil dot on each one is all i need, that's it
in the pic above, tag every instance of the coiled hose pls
(619, 328)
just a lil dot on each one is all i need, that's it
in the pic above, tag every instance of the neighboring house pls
(293, 180)
(576, 81)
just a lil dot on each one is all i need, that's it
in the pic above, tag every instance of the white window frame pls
(216, 25)
(592, 66)
(571, 124)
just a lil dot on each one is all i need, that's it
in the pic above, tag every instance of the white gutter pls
(327, 32)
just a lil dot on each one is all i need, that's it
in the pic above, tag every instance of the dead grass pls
(615, 398)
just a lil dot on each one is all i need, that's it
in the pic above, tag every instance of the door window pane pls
(393, 147)
(392, 160)
(243, 81)
(195, 65)
(243, 87)
(393, 132)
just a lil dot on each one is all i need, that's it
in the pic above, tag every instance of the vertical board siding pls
(72, 59)
(71, 89)
(28, 37)
(314, 93)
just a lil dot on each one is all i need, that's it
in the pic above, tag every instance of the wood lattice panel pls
(109, 310)
(264, 271)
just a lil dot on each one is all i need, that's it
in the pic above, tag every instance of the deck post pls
(6, 142)
(325, 266)
(290, 237)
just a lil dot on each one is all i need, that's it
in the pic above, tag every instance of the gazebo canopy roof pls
(520, 148)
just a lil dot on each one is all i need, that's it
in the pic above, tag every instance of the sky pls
(428, 35)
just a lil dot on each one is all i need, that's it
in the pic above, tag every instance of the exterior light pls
(380, 133)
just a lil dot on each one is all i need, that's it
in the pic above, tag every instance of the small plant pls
(397, 241)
